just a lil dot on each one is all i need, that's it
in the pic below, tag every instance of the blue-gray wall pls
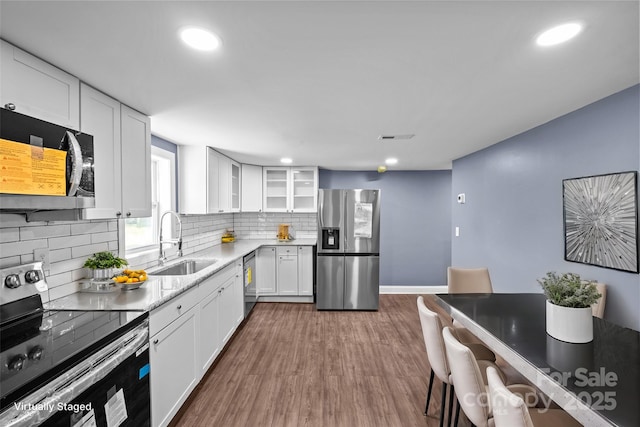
(512, 221)
(415, 222)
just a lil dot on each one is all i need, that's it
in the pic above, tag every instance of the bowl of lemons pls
(130, 279)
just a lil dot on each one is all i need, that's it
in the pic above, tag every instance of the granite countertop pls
(157, 290)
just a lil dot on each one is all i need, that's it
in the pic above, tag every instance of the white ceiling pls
(320, 81)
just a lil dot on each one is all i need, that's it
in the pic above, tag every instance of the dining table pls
(598, 383)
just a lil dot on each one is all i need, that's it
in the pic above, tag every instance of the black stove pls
(37, 345)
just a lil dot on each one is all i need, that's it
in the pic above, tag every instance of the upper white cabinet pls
(251, 188)
(194, 179)
(101, 118)
(38, 89)
(209, 181)
(122, 160)
(136, 163)
(290, 189)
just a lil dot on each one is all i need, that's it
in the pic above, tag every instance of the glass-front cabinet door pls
(235, 187)
(290, 189)
(276, 189)
(304, 189)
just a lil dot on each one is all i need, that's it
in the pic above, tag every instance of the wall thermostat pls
(461, 198)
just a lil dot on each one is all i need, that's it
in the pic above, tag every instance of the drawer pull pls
(155, 341)
(180, 307)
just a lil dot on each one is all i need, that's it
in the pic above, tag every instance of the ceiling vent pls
(395, 137)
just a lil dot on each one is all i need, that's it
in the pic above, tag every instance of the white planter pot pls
(568, 324)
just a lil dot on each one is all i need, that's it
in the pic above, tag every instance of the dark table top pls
(604, 374)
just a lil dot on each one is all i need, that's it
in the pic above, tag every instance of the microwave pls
(44, 166)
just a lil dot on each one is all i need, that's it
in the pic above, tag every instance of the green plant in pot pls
(569, 301)
(104, 265)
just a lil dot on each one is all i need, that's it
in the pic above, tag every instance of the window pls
(141, 234)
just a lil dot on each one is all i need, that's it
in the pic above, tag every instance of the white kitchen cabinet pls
(287, 273)
(195, 181)
(251, 188)
(101, 119)
(227, 309)
(207, 181)
(135, 163)
(305, 270)
(122, 160)
(209, 337)
(38, 89)
(239, 292)
(173, 356)
(266, 271)
(290, 189)
(235, 186)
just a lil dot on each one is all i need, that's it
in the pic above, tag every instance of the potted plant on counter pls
(104, 265)
(569, 301)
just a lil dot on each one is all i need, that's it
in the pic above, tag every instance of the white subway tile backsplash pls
(44, 231)
(69, 242)
(22, 248)
(88, 250)
(104, 237)
(9, 261)
(90, 227)
(57, 255)
(66, 266)
(11, 234)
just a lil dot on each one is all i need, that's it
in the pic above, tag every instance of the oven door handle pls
(65, 388)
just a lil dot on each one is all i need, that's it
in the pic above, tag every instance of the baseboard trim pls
(413, 289)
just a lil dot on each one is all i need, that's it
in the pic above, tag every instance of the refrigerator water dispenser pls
(330, 238)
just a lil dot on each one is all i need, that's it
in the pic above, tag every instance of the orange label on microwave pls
(26, 169)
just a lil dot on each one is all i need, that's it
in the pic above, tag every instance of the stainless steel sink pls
(183, 268)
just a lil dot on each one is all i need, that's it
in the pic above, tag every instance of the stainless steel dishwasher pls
(250, 289)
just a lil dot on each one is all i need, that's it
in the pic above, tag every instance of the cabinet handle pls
(180, 307)
(155, 341)
(118, 213)
(10, 106)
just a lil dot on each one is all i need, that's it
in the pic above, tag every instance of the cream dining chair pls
(509, 410)
(432, 334)
(468, 376)
(468, 280)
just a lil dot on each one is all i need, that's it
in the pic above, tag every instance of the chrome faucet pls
(177, 241)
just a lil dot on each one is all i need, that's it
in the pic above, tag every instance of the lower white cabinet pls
(187, 335)
(209, 337)
(284, 271)
(266, 271)
(305, 270)
(174, 331)
(287, 273)
(227, 309)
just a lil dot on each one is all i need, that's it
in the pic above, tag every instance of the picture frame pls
(600, 215)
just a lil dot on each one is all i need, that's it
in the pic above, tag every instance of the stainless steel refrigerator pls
(348, 256)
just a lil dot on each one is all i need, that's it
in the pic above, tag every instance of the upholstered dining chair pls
(468, 280)
(468, 376)
(432, 334)
(598, 307)
(509, 410)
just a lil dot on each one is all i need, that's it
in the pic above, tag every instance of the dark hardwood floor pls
(290, 365)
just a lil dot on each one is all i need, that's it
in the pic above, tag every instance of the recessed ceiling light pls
(200, 39)
(559, 34)
(286, 160)
(391, 161)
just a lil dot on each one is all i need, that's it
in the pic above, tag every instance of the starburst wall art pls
(601, 220)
